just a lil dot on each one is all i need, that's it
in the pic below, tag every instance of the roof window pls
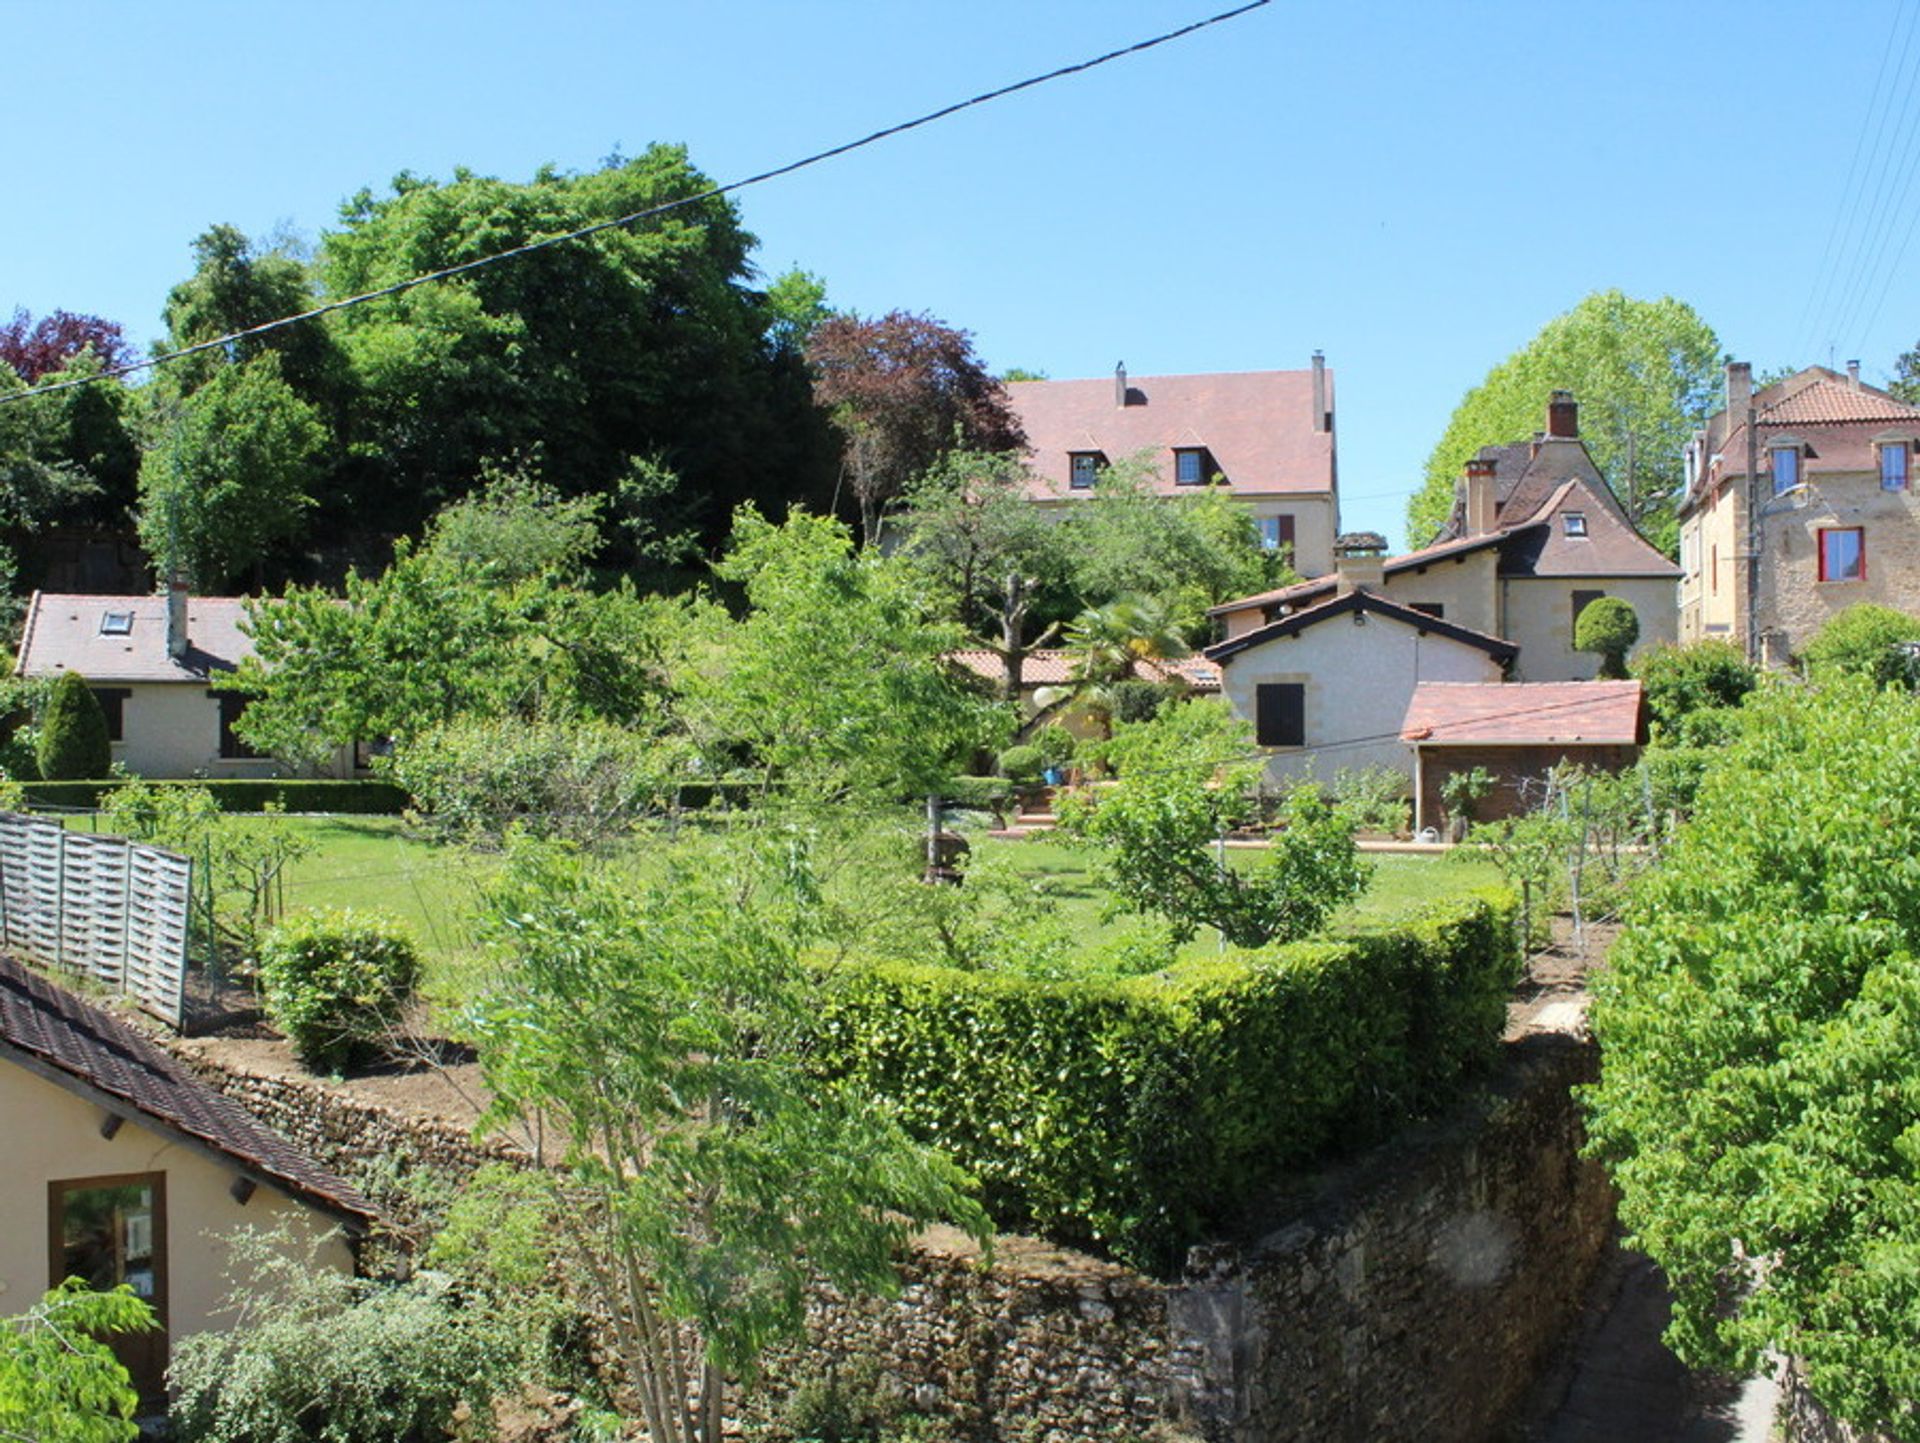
(117, 623)
(1575, 523)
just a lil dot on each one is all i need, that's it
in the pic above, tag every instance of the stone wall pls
(1802, 1419)
(1414, 1293)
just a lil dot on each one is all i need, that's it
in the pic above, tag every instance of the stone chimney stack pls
(1853, 374)
(1359, 562)
(177, 616)
(1563, 415)
(1482, 503)
(1120, 384)
(1320, 392)
(1739, 392)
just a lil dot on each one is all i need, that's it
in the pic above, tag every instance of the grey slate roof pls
(77, 1045)
(63, 633)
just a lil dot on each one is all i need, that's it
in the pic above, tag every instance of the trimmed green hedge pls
(1142, 1114)
(979, 793)
(250, 794)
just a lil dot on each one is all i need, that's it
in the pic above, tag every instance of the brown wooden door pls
(112, 1230)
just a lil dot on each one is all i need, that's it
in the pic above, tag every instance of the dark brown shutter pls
(1280, 714)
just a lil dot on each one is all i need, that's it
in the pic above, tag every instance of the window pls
(1581, 601)
(117, 623)
(1280, 714)
(1575, 523)
(112, 1230)
(1843, 553)
(232, 748)
(1276, 532)
(1893, 466)
(1428, 608)
(113, 700)
(1190, 466)
(1786, 468)
(1083, 466)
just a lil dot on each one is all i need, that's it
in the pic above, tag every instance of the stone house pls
(151, 661)
(122, 1168)
(1799, 503)
(1266, 436)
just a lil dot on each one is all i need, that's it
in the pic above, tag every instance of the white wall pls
(1358, 681)
(172, 729)
(1539, 612)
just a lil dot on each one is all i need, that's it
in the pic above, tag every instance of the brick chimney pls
(1563, 415)
(1853, 374)
(1120, 384)
(1482, 502)
(1320, 417)
(177, 616)
(1359, 562)
(1739, 392)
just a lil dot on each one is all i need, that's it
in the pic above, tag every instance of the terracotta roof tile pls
(1593, 713)
(77, 1042)
(1053, 666)
(1830, 402)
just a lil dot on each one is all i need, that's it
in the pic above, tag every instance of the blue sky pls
(1414, 189)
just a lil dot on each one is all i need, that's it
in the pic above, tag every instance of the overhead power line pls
(711, 193)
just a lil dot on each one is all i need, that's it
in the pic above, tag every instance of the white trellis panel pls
(159, 899)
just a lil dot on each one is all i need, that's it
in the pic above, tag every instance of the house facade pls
(1799, 503)
(1267, 437)
(151, 661)
(122, 1168)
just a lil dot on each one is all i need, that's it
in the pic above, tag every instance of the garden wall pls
(1803, 1419)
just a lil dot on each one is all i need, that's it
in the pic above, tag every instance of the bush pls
(1140, 1113)
(1609, 627)
(983, 794)
(73, 732)
(1056, 744)
(1133, 700)
(1703, 676)
(1375, 798)
(1021, 765)
(359, 798)
(1866, 640)
(336, 982)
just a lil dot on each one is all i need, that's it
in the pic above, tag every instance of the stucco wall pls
(1463, 585)
(1793, 599)
(172, 729)
(1358, 680)
(1712, 600)
(51, 1135)
(1539, 612)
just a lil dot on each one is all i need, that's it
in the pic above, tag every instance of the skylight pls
(117, 623)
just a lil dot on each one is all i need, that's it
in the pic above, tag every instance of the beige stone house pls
(151, 661)
(122, 1168)
(1799, 502)
(1266, 436)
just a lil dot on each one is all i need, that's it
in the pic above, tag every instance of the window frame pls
(1283, 531)
(1860, 556)
(1904, 450)
(1200, 465)
(1574, 524)
(1775, 451)
(144, 1355)
(1095, 463)
(113, 706)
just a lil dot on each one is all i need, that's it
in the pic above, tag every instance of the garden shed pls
(1517, 732)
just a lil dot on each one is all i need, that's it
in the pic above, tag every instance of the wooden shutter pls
(1280, 714)
(1581, 601)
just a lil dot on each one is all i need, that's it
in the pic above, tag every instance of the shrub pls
(1374, 797)
(1866, 640)
(1133, 700)
(73, 732)
(1021, 764)
(1138, 1113)
(1702, 676)
(1609, 627)
(988, 794)
(1056, 745)
(336, 982)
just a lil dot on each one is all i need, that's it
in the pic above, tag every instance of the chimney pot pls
(1120, 384)
(1563, 415)
(1359, 562)
(177, 616)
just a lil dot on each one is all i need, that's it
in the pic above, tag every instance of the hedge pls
(1140, 1115)
(984, 794)
(249, 794)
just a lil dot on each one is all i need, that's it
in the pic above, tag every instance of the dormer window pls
(1190, 466)
(1574, 522)
(1083, 467)
(1785, 464)
(117, 623)
(1896, 459)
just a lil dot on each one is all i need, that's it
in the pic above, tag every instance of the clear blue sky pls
(1413, 188)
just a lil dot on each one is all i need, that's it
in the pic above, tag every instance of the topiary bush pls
(1021, 764)
(1607, 626)
(335, 982)
(1056, 745)
(73, 733)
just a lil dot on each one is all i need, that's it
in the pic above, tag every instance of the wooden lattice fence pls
(107, 908)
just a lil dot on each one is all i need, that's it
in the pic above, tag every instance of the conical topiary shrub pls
(73, 733)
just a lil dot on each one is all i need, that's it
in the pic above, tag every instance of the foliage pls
(238, 283)
(315, 1355)
(796, 302)
(1700, 676)
(241, 794)
(1055, 744)
(1021, 763)
(514, 527)
(707, 1176)
(978, 793)
(32, 349)
(1374, 797)
(336, 983)
(1608, 627)
(1867, 640)
(855, 1401)
(231, 475)
(1463, 791)
(1185, 781)
(1644, 374)
(59, 1382)
(903, 389)
(1759, 1020)
(1139, 1112)
(73, 732)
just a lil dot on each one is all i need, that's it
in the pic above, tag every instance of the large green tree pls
(59, 1381)
(1643, 373)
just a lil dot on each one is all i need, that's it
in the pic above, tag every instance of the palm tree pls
(1107, 643)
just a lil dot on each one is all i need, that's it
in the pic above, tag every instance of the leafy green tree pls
(1758, 1017)
(231, 474)
(1607, 627)
(73, 732)
(1867, 640)
(238, 283)
(708, 1175)
(59, 1382)
(1186, 778)
(1105, 643)
(1644, 374)
(797, 305)
(1698, 677)
(41, 480)
(513, 528)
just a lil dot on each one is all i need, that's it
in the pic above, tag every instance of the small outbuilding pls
(1518, 732)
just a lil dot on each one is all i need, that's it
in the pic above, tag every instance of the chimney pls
(1120, 384)
(1739, 392)
(1481, 502)
(1563, 415)
(1320, 418)
(177, 616)
(1853, 374)
(1359, 562)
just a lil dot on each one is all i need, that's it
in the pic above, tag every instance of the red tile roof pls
(1052, 666)
(1257, 426)
(78, 1046)
(62, 633)
(1590, 713)
(1829, 401)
